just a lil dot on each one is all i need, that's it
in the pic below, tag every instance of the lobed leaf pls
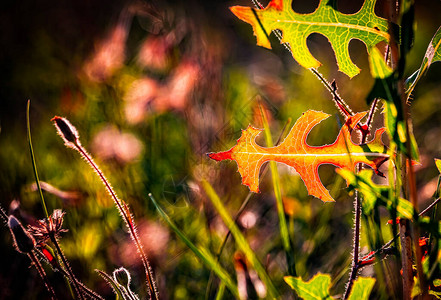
(314, 289)
(338, 27)
(362, 288)
(305, 159)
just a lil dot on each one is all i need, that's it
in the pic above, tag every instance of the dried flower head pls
(23, 241)
(67, 131)
(47, 228)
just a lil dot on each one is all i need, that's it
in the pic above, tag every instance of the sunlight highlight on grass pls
(240, 240)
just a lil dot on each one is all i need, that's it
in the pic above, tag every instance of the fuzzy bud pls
(122, 276)
(66, 130)
(24, 242)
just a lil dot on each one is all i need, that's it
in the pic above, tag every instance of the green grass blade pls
(240, 240)
(220, 291)
(284, 232)
(202, 253)
(34, 165)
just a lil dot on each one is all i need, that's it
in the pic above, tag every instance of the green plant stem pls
(34, 165)
(244, 205)
(278, 196)
(204, 255)
(66, 266)
(123, 209)
(42, 274)
(240, 240)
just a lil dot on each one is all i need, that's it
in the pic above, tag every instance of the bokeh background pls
(152, 86)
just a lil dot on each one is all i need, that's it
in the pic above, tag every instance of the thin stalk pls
(387, 245)
(356, 246)
(59, 268)
(357, 218)
(34, 166)
(42, 274)
(66, 266)
(123, 209)
(413, 196)
(71, 139)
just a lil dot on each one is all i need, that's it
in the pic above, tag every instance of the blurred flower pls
(109, 54)
(154, 53)
(248, 219)
(175, 94)
(138, 97)
(153, 236)
(47, 228)
(146, 93)
(112, 143)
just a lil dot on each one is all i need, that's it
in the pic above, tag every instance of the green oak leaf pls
(314, 289)
(433, 54)
(362, 288)
(337, 27)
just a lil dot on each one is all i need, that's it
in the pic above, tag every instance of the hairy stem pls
(42, 274)
(66, 266)
(124, 211)
(356, 246)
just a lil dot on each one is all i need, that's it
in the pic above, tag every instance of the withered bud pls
(24, 242)
(67, 131)
(122, 276)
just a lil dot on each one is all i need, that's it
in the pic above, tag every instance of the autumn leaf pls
(338, 27)
(305, 159)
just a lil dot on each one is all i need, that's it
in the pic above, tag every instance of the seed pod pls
(122, 276)
(67, 131)
(24, 242)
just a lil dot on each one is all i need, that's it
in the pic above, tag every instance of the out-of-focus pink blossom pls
(154, 238)
(137, 98)
(175, 93)
(154, 53)
(146, 94)
(112, 143)
(109, 53)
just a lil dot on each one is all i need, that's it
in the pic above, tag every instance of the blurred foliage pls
(151, 88)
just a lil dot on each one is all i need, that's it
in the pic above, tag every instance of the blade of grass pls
(284, 233)
(220, 291)
(34, 165)
(202, 253)
(240, 240)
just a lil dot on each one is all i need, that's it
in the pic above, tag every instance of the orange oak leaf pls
(305, 159)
